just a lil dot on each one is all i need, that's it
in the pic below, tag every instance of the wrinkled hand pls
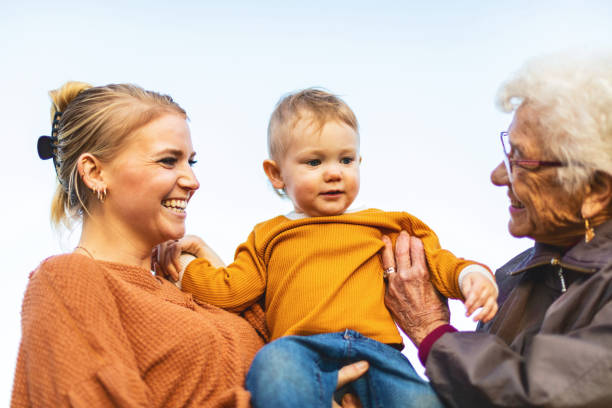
(479, 292)
(410, 297)
(347, 374)
(166, 256)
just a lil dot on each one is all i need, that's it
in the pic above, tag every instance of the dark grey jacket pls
(544, 348)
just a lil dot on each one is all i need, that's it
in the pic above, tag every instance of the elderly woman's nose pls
(499, 175)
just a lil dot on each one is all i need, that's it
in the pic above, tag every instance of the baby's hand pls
(166, 259)
(479, 292)
(169, 258)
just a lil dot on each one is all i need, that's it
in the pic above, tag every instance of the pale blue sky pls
(421, 77)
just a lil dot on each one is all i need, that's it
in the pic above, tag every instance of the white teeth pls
(516, 204)
(175, 205)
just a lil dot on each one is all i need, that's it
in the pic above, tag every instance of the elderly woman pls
(99, 329)
(551, 341)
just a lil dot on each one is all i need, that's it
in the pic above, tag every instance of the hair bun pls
(62, 96)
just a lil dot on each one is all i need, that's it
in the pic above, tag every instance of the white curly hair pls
(572, 95)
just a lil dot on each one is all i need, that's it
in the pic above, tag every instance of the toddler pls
(319, 272)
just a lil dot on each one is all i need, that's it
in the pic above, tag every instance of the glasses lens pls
(508, 167)
(505, 140)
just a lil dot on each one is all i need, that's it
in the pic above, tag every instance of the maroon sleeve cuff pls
(431, 338)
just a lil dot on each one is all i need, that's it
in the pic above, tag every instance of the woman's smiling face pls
(151, 181)
(540, 207)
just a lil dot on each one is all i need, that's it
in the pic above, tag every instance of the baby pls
(319, 272)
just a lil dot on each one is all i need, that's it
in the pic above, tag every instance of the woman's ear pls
(90, 170)
(273, 172)
(598, 196)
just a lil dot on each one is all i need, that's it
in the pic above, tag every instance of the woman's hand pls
(347, 374)
(166, 256)
(410, 297)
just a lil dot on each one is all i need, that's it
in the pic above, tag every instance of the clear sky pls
(421, 77)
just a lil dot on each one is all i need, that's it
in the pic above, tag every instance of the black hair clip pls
(47, 145)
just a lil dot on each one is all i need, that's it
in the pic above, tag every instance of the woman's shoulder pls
(58, 264)
(66, 270)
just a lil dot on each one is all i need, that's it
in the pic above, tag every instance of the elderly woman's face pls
(539, 206)
(151, 181)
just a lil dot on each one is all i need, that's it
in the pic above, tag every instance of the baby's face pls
(320, 170)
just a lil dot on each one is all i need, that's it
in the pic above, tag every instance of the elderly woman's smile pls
(539, 204)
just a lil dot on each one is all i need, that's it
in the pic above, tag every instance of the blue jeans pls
(302, 371)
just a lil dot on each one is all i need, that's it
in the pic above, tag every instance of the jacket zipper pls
(555, 261)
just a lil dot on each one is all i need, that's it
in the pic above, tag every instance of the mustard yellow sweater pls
(320, 274)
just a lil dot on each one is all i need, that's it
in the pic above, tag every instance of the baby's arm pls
(455, 277)
(480, 291)
(234, 287)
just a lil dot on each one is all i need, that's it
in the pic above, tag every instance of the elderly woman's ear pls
(598, 196)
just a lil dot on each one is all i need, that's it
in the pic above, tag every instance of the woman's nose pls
(499, 175)
(189, 180)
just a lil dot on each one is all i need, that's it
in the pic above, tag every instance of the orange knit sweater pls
(102, 334)
(320, 274)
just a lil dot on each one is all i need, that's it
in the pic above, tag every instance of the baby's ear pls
(273, 172)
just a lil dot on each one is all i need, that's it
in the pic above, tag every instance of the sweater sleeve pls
(234, 287)
(445, 267)
(73, 351)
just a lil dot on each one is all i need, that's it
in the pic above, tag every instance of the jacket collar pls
(582, 257)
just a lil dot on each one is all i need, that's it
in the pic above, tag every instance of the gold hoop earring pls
(100, 193)
(589, 232)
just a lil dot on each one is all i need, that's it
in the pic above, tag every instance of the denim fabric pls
(302, 371)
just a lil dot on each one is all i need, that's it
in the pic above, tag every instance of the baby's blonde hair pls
(96, 120)
(315, 104)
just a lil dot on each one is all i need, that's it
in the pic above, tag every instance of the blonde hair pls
(572, 99)
(315, 104)
(96, 120)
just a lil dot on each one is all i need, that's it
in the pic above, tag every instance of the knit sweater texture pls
(320, 274)
(99, 334)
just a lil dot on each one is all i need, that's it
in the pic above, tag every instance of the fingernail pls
(362, 365)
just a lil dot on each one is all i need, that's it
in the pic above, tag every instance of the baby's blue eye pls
(347, 160)
(192, 162)
(314, 162)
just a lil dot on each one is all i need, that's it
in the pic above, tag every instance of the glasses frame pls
(522, 163)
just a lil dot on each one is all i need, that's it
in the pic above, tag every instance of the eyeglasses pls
(530, 165)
